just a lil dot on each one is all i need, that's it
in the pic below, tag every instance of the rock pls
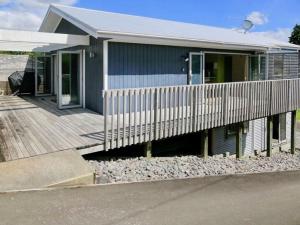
(141, 169)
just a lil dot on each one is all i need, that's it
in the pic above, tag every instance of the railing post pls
(155, 113)
(105, 120)
(148, 149)
(225, 96)
(204, 144)
(269, 135)
(239, 141)
(293, 133)
(194, 113)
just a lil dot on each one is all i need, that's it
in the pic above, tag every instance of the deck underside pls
(33, 126)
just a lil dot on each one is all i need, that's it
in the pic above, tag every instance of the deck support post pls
(269, 135)
(204, 144)
(293, 132)
(148, 149)
(239, 141)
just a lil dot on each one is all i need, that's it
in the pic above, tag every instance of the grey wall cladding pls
(290, 65)
(94, 66)
(94, 75)
(138, 65)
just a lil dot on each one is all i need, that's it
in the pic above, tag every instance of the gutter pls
(119, 35)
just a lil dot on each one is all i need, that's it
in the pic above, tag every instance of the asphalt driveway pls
(272, 198)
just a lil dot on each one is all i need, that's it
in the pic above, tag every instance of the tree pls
(295, 36)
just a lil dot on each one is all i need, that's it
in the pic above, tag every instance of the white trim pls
(181, 42)
(55, 73)
(35, 76)
(59, 94)
(105, 64)
(291, 51)
(56, 26)
(203, 66)
(17, 40)
(124, 35)
(83, 78)
(42, 37)
(225, 53)
(52, 74)
(86, 28)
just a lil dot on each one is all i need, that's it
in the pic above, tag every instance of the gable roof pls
(142, 29)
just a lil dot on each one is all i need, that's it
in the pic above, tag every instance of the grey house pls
(152, 79)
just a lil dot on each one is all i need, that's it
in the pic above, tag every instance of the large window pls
(196, 68)
(278, 65)
(257, 67)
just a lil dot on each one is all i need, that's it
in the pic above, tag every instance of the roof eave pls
(150, 39)
(88, 29)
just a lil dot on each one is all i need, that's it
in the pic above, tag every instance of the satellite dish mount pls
(247, 25)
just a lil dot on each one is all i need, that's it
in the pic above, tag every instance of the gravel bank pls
(142, 169)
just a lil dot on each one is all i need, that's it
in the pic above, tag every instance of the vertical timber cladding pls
(139, 65)
(283, 65)
(93, 66)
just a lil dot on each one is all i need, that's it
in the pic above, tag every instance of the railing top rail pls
(199, 85)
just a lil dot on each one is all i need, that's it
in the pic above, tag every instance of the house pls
(152, 79)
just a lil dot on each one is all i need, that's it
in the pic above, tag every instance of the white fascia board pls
(85, 27)
(22, 47)
(43, 24)
(42, 37)
(177, 42)
(283, 50)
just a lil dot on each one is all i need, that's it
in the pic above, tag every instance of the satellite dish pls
(247, 25)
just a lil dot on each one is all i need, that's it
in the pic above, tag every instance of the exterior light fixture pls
(92, 55)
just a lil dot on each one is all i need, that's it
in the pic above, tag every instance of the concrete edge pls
(76, 181)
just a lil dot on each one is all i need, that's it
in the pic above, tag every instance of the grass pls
(298, 115)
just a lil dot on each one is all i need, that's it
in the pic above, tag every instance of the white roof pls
(114, 25)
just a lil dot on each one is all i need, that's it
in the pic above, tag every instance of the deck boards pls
(32, 126)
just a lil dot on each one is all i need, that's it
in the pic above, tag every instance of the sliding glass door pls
(196, 68)
(70, 79)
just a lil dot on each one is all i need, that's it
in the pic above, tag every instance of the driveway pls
(272, 198)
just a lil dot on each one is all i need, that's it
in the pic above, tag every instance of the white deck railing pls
(139, 115)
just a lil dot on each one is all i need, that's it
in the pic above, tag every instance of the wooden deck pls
(33, 126)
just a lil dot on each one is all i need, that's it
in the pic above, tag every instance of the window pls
(278, 65)
(257, 67)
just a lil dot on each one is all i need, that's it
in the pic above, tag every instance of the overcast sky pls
(273, 18)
